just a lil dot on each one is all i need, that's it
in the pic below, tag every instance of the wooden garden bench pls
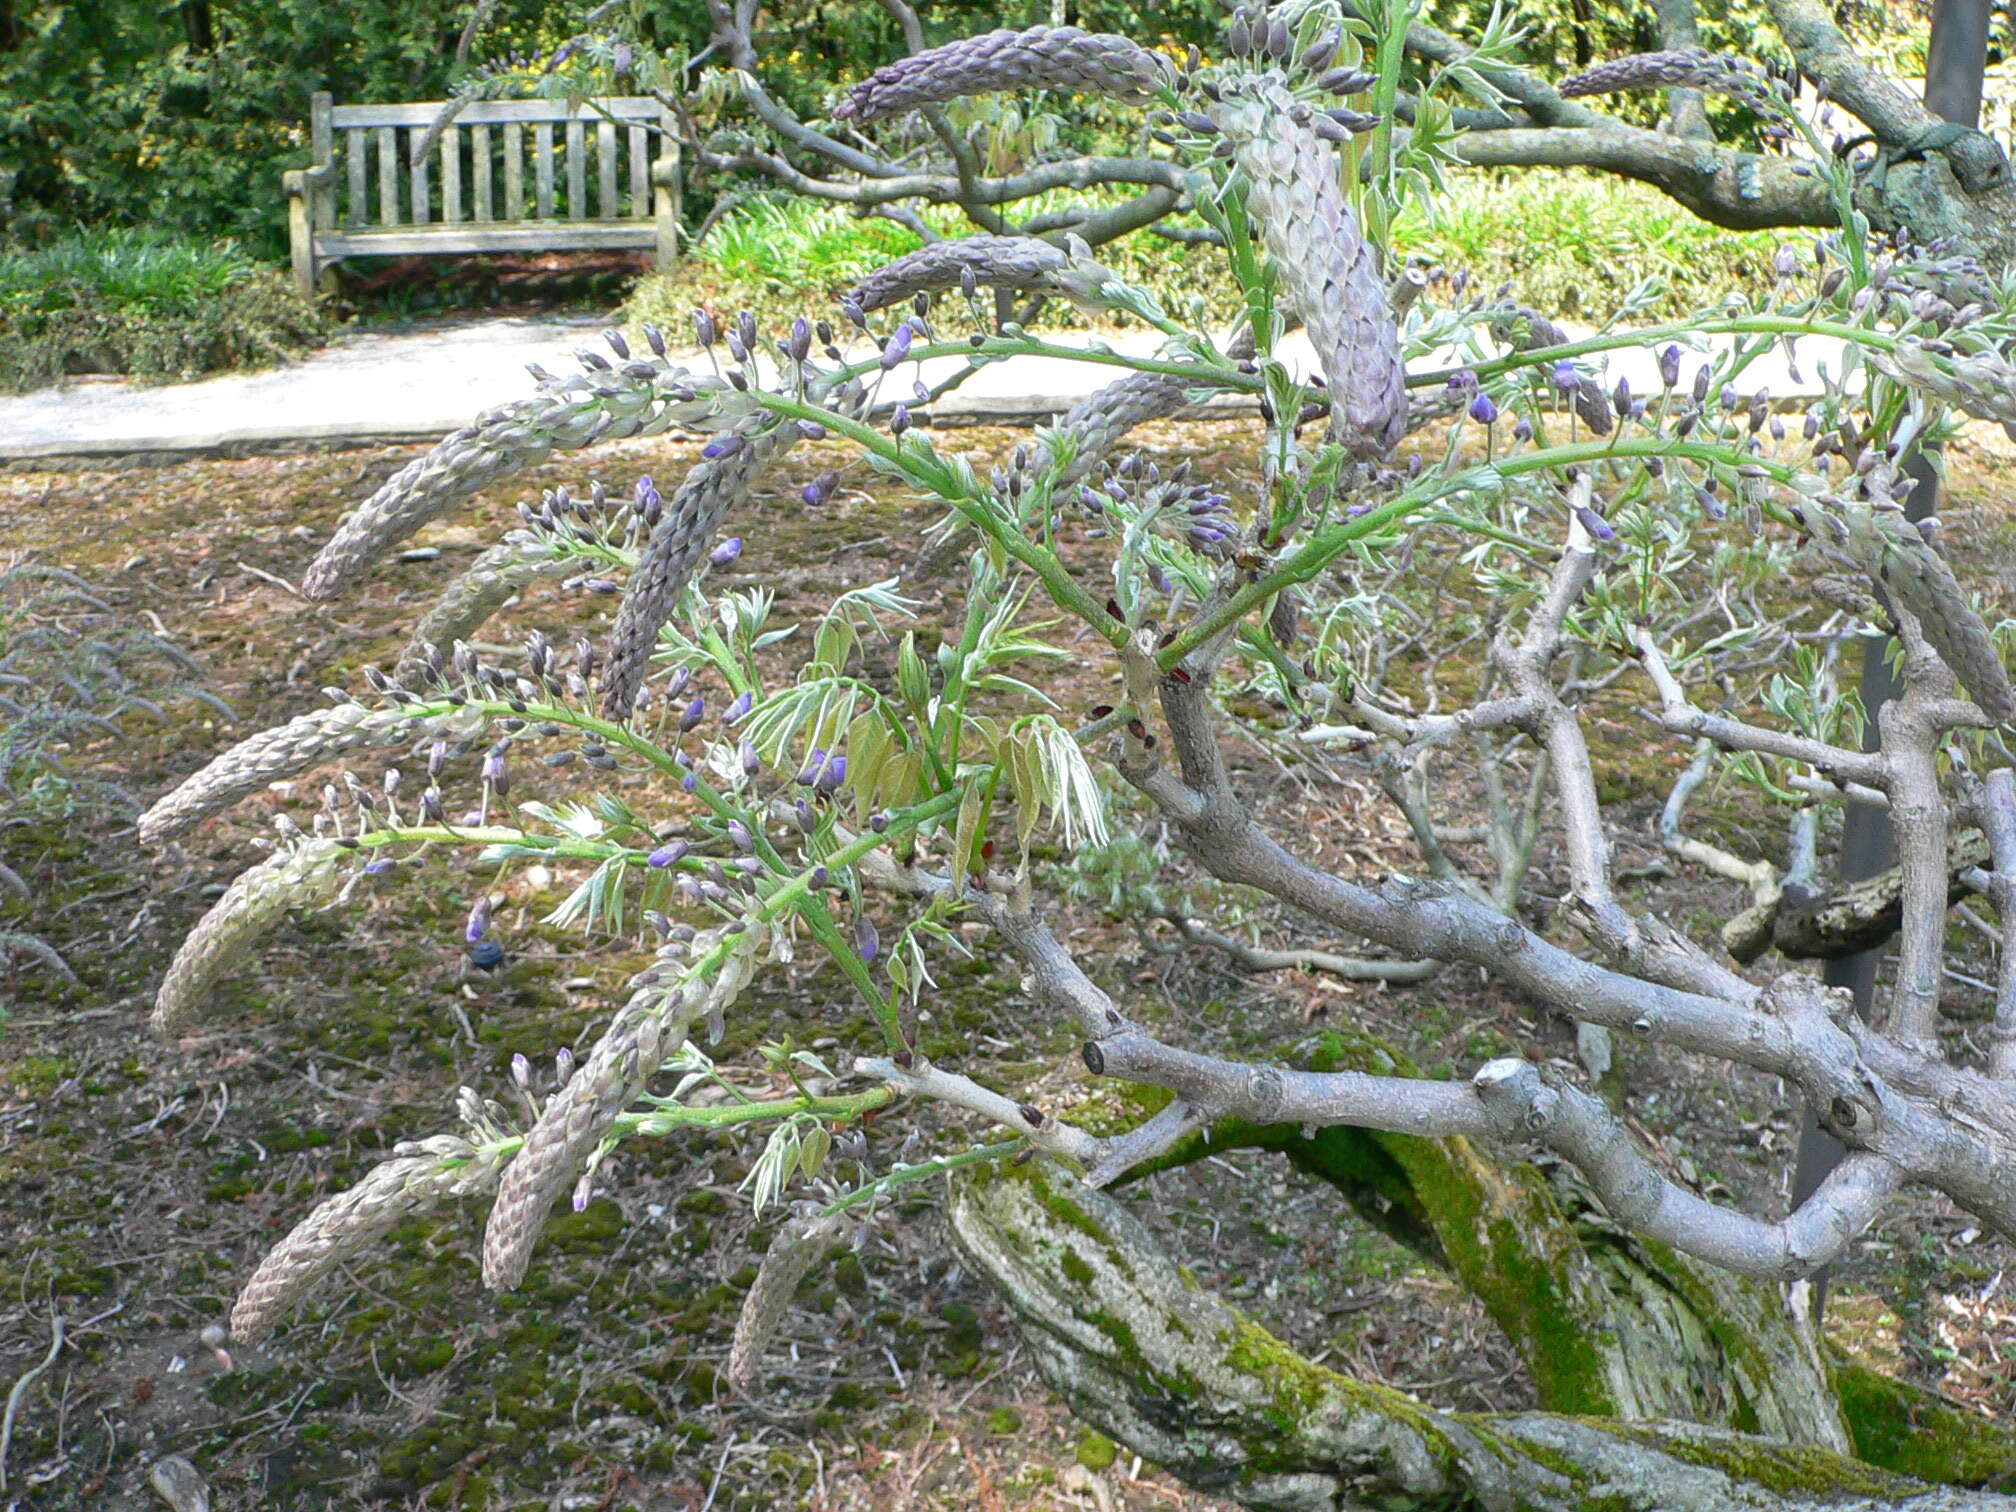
(605, 175)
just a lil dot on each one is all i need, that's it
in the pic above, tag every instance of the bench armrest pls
(299, 181)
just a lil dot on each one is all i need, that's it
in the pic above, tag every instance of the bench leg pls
(301, 241)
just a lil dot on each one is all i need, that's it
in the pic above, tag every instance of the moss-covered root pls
(1128, 1339)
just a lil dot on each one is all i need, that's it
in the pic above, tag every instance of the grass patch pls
(1572, 244)
(146, 304)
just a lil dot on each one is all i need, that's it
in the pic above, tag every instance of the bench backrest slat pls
(577, 170)
(493, 112)
(388, 176)
(479, 161)
(357, 212)
(542, 167)
(420, 205)
(514, 171)
(605, 170)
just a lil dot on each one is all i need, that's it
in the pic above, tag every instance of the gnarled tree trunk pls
(1607, 1324)
(1136, 1347)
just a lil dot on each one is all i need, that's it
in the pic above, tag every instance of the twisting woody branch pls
(827, 808)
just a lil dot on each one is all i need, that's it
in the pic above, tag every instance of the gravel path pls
(377, 388)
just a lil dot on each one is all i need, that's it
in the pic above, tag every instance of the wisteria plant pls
(844, 807)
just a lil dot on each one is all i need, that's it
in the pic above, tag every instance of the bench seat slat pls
(564, 236)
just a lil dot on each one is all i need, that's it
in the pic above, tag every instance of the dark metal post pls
(1955, 63)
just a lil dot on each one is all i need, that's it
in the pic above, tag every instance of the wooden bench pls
(365, 196)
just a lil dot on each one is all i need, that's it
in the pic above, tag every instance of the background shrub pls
(1572, 244)
(147, 304)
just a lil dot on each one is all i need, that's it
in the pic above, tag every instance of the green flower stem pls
(1326, 545)
(564, 847)
(978, 1155)
(669, 1116)
(1729, 325)
(820, 922)
(1206, 374)
(969, 500)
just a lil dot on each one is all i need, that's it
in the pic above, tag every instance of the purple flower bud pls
(703, 327)
(1669, 365)
(866, 941)
(809, 773)
(833, 775)
(818, 877)
(900, 421)
(479, 920)
(1710, 505)
(1565, 378)
(751, 762)
(689, 783)
(1482, 410)
(1621, 397)
(739, 708)
(801, 813)
(695, 712)
(379, 867)
(1594, 523)
(726, 552)
(667, 854)
(820, 489)
(811, 430)
(616, 343)
(739, 836)
(799, 345)
(1701, 383)
(897, 349)
(521, 1070)
(1523, 431)
(654, 338)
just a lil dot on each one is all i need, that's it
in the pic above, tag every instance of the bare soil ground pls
(143, 1179)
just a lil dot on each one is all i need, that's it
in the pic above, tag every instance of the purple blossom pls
(1594, 523)
(866, 941)
(694, 713)
(739, 836)
(751, 762)
(479, 920)
(1482, 410)
(739, 709)
(726, 552)
(667, 854)
(1565, 378)
(897, 349)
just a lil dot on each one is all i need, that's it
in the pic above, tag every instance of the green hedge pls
(1571, 244)
(147, 304)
